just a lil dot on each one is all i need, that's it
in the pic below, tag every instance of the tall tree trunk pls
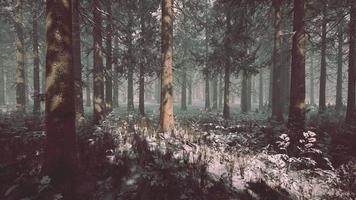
(109, 58)
(2, 85)
(36, 60)
(221, 93)
(351, 101)
(215, 93)
(322, 91)
(249, 92)
(77, 60)
(226, 110)
(260, 89)
(244, 91)
(20, 60)
(87, 86)
(141, 103)
(158, 91)
(98, 75)
(339, 103)
(190, 91)
(277, 108)
(296, 120)
(130, 89)
(166, 115)
(115, 102)
(312, 98)
(207, 91)
(184, 91)
(61, 158)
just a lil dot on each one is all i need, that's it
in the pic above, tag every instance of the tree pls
(20, 59)
(227, 41)
(36, 60)
(77, 60)
(351, 99)
(98, 74)
(115, 102)
(339, 80)
(296, 118)
(61, 149)
(166, 106)
(322, 91)
(109, 58)
(277, 101)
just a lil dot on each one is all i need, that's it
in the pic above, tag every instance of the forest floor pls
(205, 157)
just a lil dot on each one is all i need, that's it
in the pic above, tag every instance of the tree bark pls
(312, 98)
(260, 89)
(98, 74)
(77, 60)
(115, 102)
(2, 85)
(351, 101)
(340, 36)
(109, 58)
(207, 91)
(277, 108)
(226, 110)
(221, 93)
(61, 159)
(87, 86)
(244, 97)
(215, 93)
(20, 59)
(184, 91)
(166, 107)
(190, 91)
(141, 103)
(36, 60)
(296, 118)
(322, 90)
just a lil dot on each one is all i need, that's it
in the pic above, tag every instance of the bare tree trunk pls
(221, 93)
(207, 92)
(215, 93)
(226, 111)
(296, 118)
(190, 91)
(61, 158)
(87, 87)
(249, 92)
(36, 60)
(260, 89)
(312, 98)
(2, 85)
(351, 101)
(98, 75)
(116, 74)
(339, 103)
(322, 91)
(166, 115)
(244, 98)
(130, 90)
(20, 60)
(77, 60)
(277, 108)
(158, 91)
(109, 58)
(184, 91)
(143, 62)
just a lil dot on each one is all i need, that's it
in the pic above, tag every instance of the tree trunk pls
(249, 92)
(141, 103)
(2, 85)
(260, 89)
(184, 91)
(351, 101)
(77, 61)
(190, 91)
(322, 91)
(130, 89)
(207, 92)
(244, 88)
(296, 118)
(277, 108)
(61, 158)
(226, 111)
(87, 86)
(98, 75)
(20, 60)
(115, 102)
(215, 93)
(221, 93)
(36, 60)
(109, 59)
(166, 109)
(339, 103)
(158, 91)
(312, 98)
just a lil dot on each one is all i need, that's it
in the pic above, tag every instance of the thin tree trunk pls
(339, 103)
(130, 89)
(351, 101)
(20, 60)
(184, 91)
(158, 91)
(221, 93)
(116, 74)
(215, 93)
(77, 60)
(190, 91)
(36, 60)
(2, 85)
(61, 158)
(207, 92)
(141, 103)
(166, 107)
(312, 98)
(98, 75)
(244, 88)
(249, 92)
(87, 88)
(226, 110)
(109, 58)
(260, 89)
(296, 118)
(322, 91)
(277, 108)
